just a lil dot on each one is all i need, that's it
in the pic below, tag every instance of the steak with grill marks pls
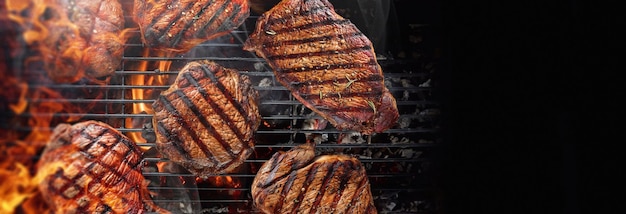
(298, 182)
(90, 167)
(84, 38)
(326, 63)
(179, 25)
(206, 120)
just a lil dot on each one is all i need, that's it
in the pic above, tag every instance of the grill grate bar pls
(389, 131)
(257, 73)
(248, 189)
(160, 58)
(129, 115)
(206, 201)
(367, 160)
(372, 175)
(163, 87)
(274, 131)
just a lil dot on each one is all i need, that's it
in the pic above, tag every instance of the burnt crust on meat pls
(327, 64)
(206, 120)
(178, 26)
(90, 167)
(298, 182)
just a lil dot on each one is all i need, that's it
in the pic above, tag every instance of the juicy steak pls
(297, 182)
(206, 120)
(83, 38)
(326, 63)
(179, 25)
(89, 167)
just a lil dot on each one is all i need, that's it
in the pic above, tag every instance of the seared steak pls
(178, 26)
(90, 167)
(83, 38)
(206, 120)
(297, 182)
(326, 63)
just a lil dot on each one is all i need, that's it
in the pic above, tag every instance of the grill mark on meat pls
(179, 35)
(275, 162)
(370, 78)
(327, 67)
(331, 171)
(358, 192)
(342, 184)
(181, 122)
(95, 179)
(224, 117)
(272, 22)
(59, 174)
(226, 93)
(231, 99)
(105, 160)
(216, 135)
(319, 53)
(294, 45)
(154, 21)
(92, 139)
(364, 95)
(348, 35)
(221, 107)
(215, 17)
(274, 167)
(286, 188)
(169, 25)
(228, 25)
(170, 137)
(310, 176)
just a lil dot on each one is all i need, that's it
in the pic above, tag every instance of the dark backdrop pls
(532, 92)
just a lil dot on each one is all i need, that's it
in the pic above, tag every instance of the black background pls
(533, 120)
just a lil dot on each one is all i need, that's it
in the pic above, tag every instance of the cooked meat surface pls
(177, 26)
(206, 120)
(84, 38)
(90, 167)
(298, 182)
(326, 63)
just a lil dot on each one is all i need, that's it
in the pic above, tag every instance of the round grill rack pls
(401, 162)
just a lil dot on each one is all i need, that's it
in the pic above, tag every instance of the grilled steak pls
(178, 26)
(83, 38)
(326, 63)
(89, 167)
(205, 121)
(297, 182)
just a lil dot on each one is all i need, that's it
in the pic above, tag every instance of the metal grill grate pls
(399, 162)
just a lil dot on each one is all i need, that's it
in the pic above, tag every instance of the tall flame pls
(18, 185)
(33, 108)
(138, 94)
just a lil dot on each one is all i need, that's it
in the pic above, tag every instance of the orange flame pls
(33, 110)
(66, 48)
(17, 184)
(143, 94)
